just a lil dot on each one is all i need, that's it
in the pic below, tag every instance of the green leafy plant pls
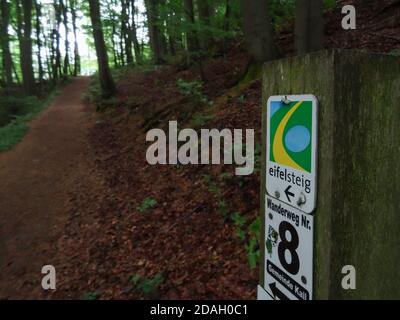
(200, 119)
(212, 186)
(253, 247)
(330, 4)
(253, 252)
(19, 111)
(193, 90)
(147, 204)
(239, 221)
(226, 176)
(223, 208)
(92, 296)
(257, 157)
(148, 286)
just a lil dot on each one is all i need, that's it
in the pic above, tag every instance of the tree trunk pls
(49, 57)
(77, 57)
(57, 72)
(228, 15)
(154, 31)
(64, 10)
(38, 9)
(205, 12)
(309, 29)
(107, 83)
(25, 30)
(258, 31)
(136, 45)
(114, 45)
(171, 34)
(191, 35)
(5, 43)
(125, 31)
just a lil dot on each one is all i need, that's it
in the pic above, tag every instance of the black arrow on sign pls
(277, 293)
(288, 193)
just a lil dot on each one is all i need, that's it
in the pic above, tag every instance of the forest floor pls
(117, 228)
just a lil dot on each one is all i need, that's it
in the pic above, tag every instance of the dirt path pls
(35, 179)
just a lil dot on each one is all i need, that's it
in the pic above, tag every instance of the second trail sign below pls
(291, 167)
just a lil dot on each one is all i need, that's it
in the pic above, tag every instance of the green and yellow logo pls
(290, 134)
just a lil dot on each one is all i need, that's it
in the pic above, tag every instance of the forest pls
(40, 39)
(116, 69)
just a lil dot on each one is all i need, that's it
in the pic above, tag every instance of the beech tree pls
(153, 20)
(309, 29)
(106, 80)
(5, 43)
(258, 31)
(25, 39)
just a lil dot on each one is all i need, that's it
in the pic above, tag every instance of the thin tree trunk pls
(204, 16)
(49, 58)
(125, 31)
(16, 73)
(77, 57)
(57, 68)
(64, 10)
(5, 43)
(38, 9)
(136, 45)
(191, 35)
(26, 46)
(113, 36)
(53, 68)
(107, 83)
(228, 15)
(154, 31)
(309, 29)
(171, 34)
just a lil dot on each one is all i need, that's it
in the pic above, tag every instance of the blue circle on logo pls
(298, 139)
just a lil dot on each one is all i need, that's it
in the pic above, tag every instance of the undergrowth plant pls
(148, 286)
(15, 113)
(239, 221)
(92, 296)
(253, 246)
(193, 90)
(147, 204)
(200, 119)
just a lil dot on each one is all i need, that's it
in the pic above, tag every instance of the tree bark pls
(25, 30)
(64, 10)
(38, 9)
(106, 80)
(228, 15)
(136, 45)
(5, 43)
(191, 34)
(154, 31)
(309, 28)
(258, 31)
(57, 71)
(205, 12)
(125, 31)
(77, 57)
